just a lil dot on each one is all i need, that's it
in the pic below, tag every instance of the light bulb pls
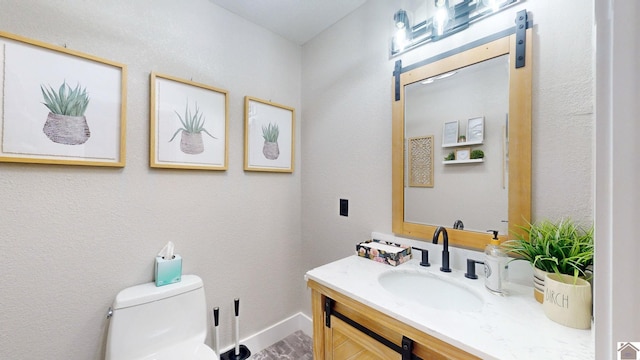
(400, 39)
(401, 19)
(440, 19)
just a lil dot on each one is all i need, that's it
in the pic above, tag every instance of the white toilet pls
(161, 323)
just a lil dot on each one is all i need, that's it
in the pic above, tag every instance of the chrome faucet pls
(445, 250)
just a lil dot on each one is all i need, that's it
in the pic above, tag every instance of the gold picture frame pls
(269, 136)
(189, 125)
(60, 106)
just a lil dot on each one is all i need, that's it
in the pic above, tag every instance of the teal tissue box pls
(168, 271)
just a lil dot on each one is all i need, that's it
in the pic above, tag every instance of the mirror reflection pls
(467, 170)
(481, 179)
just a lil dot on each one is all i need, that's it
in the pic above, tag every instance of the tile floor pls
(297, 346)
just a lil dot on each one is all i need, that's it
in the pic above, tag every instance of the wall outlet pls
(344, 207)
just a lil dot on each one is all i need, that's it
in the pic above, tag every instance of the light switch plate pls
(344, 207)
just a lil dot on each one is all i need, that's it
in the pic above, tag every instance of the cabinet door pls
(344, 342)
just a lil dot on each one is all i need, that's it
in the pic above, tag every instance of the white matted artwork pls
(59, 106)
(475, 130)
(269, 136)
(450, 133)
(189, 126)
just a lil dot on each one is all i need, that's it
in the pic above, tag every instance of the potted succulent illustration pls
(270, 134)
(66, 123)
(192, 129)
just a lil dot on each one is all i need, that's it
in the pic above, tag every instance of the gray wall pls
(347, 79)
(72, 237)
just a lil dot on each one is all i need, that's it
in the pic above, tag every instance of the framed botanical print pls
(60, 106)
(269, 136)
(188, 125)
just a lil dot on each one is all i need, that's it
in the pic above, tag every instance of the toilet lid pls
(187, 351)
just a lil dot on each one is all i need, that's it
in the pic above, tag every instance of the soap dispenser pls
(495, 265)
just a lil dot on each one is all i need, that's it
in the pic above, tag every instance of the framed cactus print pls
(269, 130)
(189, 125)
(60, 106)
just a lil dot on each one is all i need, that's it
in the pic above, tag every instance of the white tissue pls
(167, 251)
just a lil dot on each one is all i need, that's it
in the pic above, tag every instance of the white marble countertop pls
(506, 327)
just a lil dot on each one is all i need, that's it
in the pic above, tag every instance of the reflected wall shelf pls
(451, 162)
(466, 143)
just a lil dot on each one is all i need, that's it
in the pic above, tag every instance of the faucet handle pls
(471, 269)
(425, 256)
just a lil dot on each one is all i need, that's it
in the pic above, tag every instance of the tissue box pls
(384, 252)
(168, 271)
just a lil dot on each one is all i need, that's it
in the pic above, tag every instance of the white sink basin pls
(429, 290)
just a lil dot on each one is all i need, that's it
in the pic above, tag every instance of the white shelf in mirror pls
(466, 143)
(450, 162)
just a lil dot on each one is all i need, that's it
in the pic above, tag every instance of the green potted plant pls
(66, 123)
(477, 154)
(192, 129)
(450, 156)
(561, 247)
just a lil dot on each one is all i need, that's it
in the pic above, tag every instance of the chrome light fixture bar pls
(447, 20)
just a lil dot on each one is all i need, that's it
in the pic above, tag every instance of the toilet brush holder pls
(239, 352)
(216, 334)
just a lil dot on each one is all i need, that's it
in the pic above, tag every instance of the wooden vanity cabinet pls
(355, 331)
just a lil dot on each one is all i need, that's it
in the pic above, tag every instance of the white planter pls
(567, 300)
(538, 284)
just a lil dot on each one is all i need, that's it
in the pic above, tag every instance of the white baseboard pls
(274, 333)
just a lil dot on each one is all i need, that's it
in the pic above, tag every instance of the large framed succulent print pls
(189, 125)
(60, 106)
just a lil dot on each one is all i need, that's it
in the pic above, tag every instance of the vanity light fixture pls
(448, 17)
(494, 4)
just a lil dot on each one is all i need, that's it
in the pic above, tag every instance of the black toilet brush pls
(239, 352)
(216, 318)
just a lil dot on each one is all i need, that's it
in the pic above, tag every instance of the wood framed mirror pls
(507, 130)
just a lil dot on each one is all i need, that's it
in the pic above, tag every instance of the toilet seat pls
(184, 351)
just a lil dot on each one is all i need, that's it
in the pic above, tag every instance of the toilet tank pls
(147, 318)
